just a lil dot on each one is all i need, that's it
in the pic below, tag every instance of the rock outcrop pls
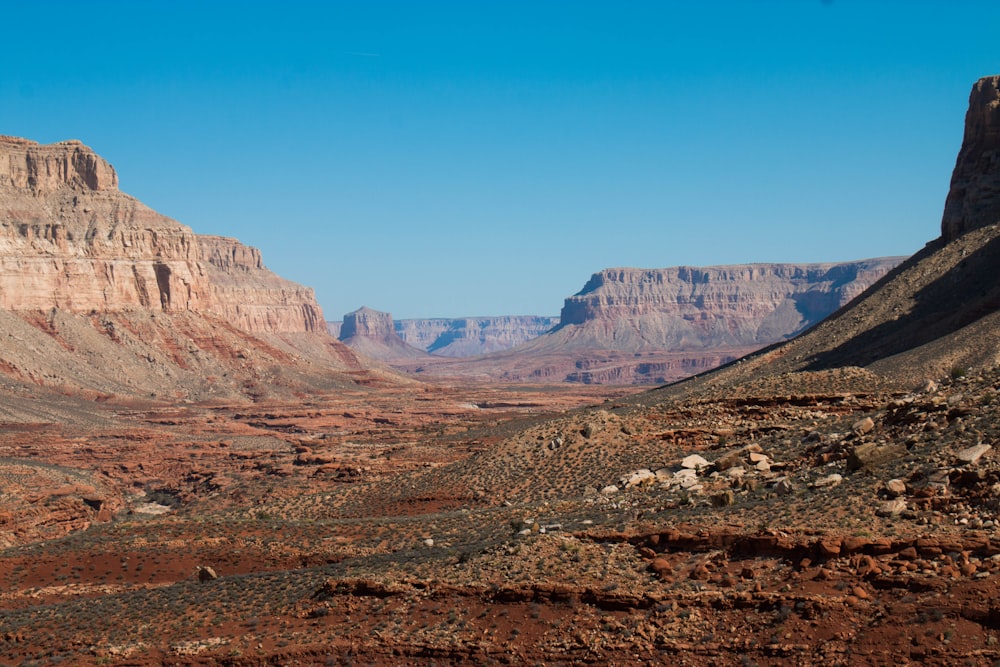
(245, 293)
(372, 333)
(102, 295)
(69, 239)
(688, 308)
(974, 197)
(471, 336)
(366, 322)
(651, 326)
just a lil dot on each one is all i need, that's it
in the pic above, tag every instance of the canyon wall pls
(652, 326)
(101, 296)
(70, 240)
(456, 337)
(974, 196)
(471, 336)
(372, 333)
(246, 294)
(688, 308)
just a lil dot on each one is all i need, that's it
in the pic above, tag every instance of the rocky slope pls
(791, 508)
(99, 292)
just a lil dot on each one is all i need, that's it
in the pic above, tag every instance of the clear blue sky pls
(484, 158)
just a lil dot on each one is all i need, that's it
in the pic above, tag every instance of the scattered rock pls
(895, 488)
(863, 426)
(972, 454)
(830, 480)
(871, 455)
(642, 477)
(828, 548)
(694, 461)
(729, 461)
(661, 567)
(724, 499)
(783, 486)
(893, 507)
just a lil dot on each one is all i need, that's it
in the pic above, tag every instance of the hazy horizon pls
(453, 159)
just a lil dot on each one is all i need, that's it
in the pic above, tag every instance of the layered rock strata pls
(372, 333)
(102, 296)
(245, 293)
(69, 239)
(471, 336)
(651, 326)
(688, 308)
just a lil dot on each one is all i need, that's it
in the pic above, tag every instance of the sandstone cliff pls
(650, 326)
(69, 239)
(101, 294)
(245, 293)
(372, 334)
(687, 308)
(974, 197)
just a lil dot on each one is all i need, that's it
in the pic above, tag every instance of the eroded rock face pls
(471, 336)
(974, 197)
(246, 294)
(367, 323)
(27, 165)
(371, 332)
(70, 240)
(683, 308)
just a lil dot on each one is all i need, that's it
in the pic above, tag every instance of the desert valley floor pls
(836, 521)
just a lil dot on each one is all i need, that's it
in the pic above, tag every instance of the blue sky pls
(442, 159)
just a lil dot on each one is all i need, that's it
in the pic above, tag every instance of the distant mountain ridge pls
(632, 325)
(466, 336)
(689, 308)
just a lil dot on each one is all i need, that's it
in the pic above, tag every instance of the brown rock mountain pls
(69, 239)
(98, 291)
(684, 308)
(659, 325)
(372, 333)
(471, 336)
(974, 197)
(466, 336)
